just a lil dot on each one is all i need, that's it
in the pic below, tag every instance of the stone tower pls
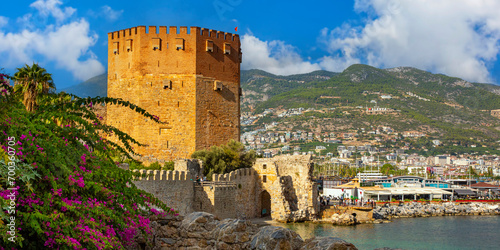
(190, 80)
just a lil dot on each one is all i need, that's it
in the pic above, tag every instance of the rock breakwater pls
(202, 230)
(416, 209)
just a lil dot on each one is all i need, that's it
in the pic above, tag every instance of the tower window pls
(217, 85)
(156, 43)
(167, 84)
(264, 178)
(128, 45)
(116, 46)
(179, 43)
(210, 46)
(227, 48)
(264, 166)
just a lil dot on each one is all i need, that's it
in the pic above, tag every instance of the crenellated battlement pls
(164, 69)
(138, 31)
(280, 187)
(235, 175)
(164, 175)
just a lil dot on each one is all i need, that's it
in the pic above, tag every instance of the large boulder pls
(344, 219)
(328, 243)
(198, 225)
(274, 238)
(234, 231)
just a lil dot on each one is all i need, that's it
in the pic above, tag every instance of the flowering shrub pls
(68, 192)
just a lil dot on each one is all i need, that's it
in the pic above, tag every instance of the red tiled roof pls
(483, 185)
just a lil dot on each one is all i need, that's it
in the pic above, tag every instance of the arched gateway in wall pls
(265, 204)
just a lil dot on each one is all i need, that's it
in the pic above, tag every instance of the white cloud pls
(110, 14)
(3, 21)
(26, 21)
(455, 37)
(67, 45)
(274, 56)
(337, 63)
(51, 7)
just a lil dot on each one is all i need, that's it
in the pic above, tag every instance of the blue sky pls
(453, 37)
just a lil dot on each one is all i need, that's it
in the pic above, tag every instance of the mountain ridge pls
(423, 101)
(93, 87)
(402, 98)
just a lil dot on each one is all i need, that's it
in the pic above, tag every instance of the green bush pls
(134, 164)
(224, 159)
(169, 165)
(154, 166)
(137, 165)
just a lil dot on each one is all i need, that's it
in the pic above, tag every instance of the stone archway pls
(265, 204)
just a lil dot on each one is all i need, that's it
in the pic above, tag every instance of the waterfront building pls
(353, 189)
(399, 188)
(370, 176)
(461, 182)
(411, 181)
(486, 189)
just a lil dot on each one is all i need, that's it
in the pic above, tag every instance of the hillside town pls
(364, 148)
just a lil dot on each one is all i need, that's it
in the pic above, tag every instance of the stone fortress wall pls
(189, 78)
(287, 180)
(280, 187)
(173, 186)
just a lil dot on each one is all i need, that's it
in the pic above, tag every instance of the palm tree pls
(31, 82)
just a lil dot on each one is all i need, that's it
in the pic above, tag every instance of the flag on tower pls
(236, 29)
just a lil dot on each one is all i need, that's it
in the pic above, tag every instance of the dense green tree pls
(225, 158)
(387, 169)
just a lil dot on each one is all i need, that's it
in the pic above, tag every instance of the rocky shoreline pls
(416, 209)
(202, 230)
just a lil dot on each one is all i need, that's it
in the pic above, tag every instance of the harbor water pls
(446, 232)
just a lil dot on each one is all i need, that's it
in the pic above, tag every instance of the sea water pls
(447, 232)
